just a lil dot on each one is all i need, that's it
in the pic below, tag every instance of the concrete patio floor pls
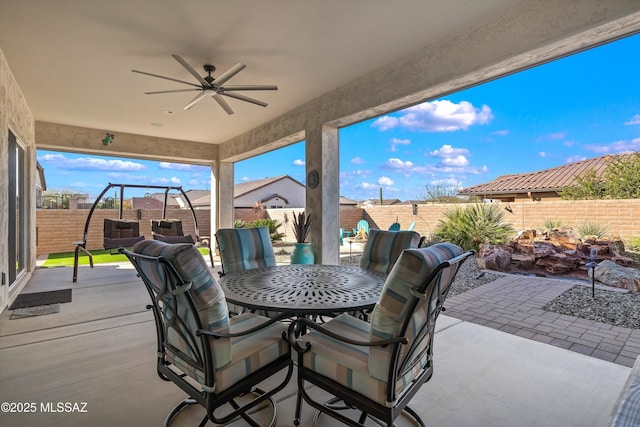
(100, 349)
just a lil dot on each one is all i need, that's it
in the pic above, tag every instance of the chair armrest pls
(296, 325)
(249, 331)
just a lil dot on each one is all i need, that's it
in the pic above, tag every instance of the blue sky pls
(579, 107)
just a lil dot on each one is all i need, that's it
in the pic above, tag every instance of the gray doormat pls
(21, 313)
(41, 298)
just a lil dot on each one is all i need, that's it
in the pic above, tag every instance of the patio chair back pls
(121, 233)
(189, 309)
(377, 367)
(245, 249)
(363, 224)
(384, 247)
(170, 231)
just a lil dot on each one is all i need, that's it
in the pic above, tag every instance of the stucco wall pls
(292, 191)
(15, 115)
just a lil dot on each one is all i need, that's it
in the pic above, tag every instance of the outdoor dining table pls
(304, 289)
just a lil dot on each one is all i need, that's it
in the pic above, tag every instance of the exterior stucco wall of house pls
(16, 116)
(288, 189)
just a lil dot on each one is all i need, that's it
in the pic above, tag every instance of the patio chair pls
(244, 249)
(384, 247)
(121, 233)
(376, 368)
(170, 231)
(361, 225)
(219, 362)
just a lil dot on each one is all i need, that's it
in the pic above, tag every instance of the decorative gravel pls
(610, 307)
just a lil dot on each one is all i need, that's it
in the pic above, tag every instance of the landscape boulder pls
(612, 274)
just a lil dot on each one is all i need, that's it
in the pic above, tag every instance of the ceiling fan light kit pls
(211, 87)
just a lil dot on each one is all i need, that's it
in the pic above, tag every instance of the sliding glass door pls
(17, 214)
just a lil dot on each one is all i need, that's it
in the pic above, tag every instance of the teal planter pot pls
(302, 254)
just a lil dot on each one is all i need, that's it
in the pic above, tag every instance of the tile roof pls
(552, 179)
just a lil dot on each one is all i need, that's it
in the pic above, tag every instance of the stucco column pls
(323, 201)
(221, 197)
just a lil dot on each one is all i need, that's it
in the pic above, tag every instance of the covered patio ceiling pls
(334, 62)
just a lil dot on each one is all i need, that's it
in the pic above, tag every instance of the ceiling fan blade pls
(229, 73)
(220, 100)
(249, 87)
(199, 97)
(244, 98)
(193, 72)
(166, 78)
(170, 91)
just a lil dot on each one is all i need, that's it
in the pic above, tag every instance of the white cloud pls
(357, 161)
(542, 154)
(385, 181)
(166, 181)
(178, 166)
(368, 186)
(569, 143)
(395, 163)
(448, 151)
(245, 179)
(457, 161)
(615, 147)
(298, 162)
(92, 163)
(437, 116)
(386, 123)
(397, 141)
(502, 132)
(635, 120)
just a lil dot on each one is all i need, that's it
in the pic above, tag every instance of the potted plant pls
(302, 253)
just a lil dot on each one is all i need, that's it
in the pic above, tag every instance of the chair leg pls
(179, 407)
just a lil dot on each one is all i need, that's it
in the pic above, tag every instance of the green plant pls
(551, 224)
(272, 224)
(474, 225)
(589, 228)
(633, 243)
(238, 223)
(301, 226)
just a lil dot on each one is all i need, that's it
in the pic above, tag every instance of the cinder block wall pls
(58, 229)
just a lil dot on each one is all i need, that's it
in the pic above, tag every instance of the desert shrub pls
(589, 228)
(551, 224)
(273, 225)
(474, 225)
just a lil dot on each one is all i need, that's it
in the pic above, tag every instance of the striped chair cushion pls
(349, 364)
(248, 353)
(410, 271)
(384, 247)
(245, 248)
(205, 292)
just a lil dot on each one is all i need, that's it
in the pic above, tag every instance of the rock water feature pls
(561, 253)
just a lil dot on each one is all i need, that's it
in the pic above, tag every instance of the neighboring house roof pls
(247, 187)
(145, 203)
(344, 201)
(376, 202)
(546, 180)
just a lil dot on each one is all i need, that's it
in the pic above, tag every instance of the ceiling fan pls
(213, 87)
